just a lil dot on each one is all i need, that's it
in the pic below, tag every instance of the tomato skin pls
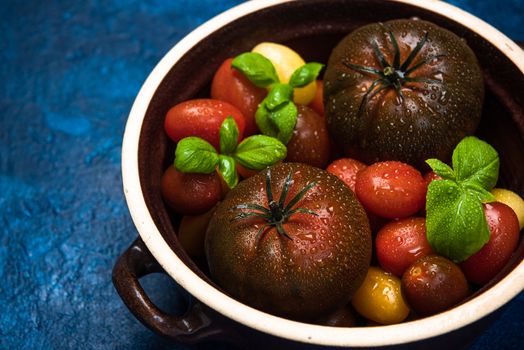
(318, 101)
(346, 169)
(192, 232)
(391, 189)
(400, 243)
(310, 141)
(491, 258)
(434, 284)
(344, 317)
(430, 176)
(417, 126)
(512, 200)
(245, 172)
(379, 298)
(202, 118)
(303, 278)
(190, 194)
(231, 86)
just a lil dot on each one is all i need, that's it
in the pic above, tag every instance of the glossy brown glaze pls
(314, 29)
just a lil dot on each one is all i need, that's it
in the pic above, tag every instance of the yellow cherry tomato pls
(512, 200)
(286, 61)
(379, 298)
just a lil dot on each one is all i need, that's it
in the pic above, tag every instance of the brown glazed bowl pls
(312, 28)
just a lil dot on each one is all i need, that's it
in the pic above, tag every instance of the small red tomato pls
(391, 189)
(400, 243)
(245, 172)
(190, 194)
(346, 169)
(318, 101)
(202, 118)
(192, 232)
(434, 284)
(310, 141)
(430, 176)
(231, 86)
(491, 258)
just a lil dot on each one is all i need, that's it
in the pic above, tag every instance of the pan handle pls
(197, 324)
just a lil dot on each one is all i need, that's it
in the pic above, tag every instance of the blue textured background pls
(70, 72)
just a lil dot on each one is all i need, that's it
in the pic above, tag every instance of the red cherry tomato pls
(190, 194)
(245, 172)
(430, 176)
(433, 284)
(231, 86)
(346, 169)
(391, 189)
(318, 101)
(491, 258)
(400, 243)
(202, 118)
(192, 232)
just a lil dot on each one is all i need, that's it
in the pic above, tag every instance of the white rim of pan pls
(442, 323)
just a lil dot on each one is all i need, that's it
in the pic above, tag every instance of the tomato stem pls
(395, 74)
(278, 212)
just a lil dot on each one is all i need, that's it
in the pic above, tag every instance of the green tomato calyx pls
(278, 212)
(394, 74)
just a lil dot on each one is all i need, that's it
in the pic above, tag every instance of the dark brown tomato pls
(188, 193)
(491, 258)
(231, 86)
(434, 284)
(310, 141)
(306, 276)
(343, 317)
(432, 115)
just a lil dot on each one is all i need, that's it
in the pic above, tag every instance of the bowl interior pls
(313, 28)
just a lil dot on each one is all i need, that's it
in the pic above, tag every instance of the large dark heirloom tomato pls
(404, 90)
(292, 241)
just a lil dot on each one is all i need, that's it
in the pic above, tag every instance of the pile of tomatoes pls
(406, 275)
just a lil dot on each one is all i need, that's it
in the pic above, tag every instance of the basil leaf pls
(475, 160)
(478, 191)
(279, 122)
(228, 135)
(195, 155)
(279, 94)
(260, 151)
(305, 74)
(227, 168)
(257, 68)
(455, 223)
(442, 169)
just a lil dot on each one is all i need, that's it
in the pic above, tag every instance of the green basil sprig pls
(455, 223)
(195, 155)
(277, 114)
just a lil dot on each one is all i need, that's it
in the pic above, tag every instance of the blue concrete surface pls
(70, 71)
